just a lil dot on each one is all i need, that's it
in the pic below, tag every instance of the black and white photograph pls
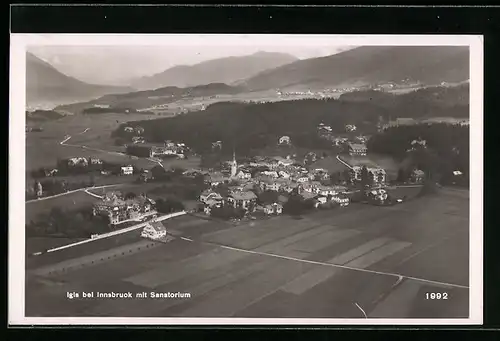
(243, 179)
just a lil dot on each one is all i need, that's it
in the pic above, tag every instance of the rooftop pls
(357, 145)
(243, 195)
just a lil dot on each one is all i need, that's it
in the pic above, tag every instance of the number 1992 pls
(436, 296)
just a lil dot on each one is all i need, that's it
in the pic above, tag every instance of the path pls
(114, 233)
(67, 138)
(73, 191)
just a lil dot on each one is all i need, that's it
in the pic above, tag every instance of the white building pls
(357, 149)
(154, 230)
(284, 140)
(126, 170)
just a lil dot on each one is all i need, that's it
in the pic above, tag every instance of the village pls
(252, 188)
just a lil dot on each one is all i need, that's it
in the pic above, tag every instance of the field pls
(69, 201)
(43, 148)
(383, 259)
(90, 136)
(331, 164)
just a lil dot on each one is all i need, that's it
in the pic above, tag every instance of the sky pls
(117, 64)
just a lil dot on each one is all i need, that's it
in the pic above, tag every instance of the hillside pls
(449, 96)
(223, 70)
(46, 86)
(43, 115)
(255, 126)
(429, 65)
(149, 98)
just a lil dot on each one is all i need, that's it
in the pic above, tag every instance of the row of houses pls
(169, 148)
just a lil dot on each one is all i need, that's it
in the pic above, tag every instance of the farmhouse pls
(128, 129)
(154, 230)
(357, 149)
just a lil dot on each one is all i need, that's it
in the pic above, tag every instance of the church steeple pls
(234, 165)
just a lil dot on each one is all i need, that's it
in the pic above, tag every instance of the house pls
(210, 195)
(272, 174)
(139, 130)
(242, 199)
(378, 175)
(217, 145)
(243, 175)
(457, 173)
(307, 195)
(154, 230)
(274, 208)
(325, 190)
(379, 195)
(284, 140)
(216, 179)
(77, 162)
(418, 144)
(126, 170)
(51, 172)
(417, 176)
(357, 149)
(321, 200)
(128, 129)
(284, 175)
(341, 199)
(210, 204)
(95, 161)
(138, 139)
(38, 189)
(302, 179)
(350, 128)
(290, 186)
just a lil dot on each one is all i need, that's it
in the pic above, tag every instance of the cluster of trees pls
(67, 223)
(248, 126)
(227, 212)
(297, 205)
(446, 150)
(169, 205)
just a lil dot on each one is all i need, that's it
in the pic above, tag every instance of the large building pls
(118, 209)
(357, 149)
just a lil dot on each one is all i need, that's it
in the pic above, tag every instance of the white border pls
(19, 42)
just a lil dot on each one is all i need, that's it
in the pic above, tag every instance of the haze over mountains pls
(429, 65)
(46, 86)
(222, 70)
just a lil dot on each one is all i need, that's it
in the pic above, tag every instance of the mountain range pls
(46, 86)
(364, 65)
(222, 70)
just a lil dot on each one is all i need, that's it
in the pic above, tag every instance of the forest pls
(446, 149)
(249, 126)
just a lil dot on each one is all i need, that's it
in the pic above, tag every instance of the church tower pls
(234, 166)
